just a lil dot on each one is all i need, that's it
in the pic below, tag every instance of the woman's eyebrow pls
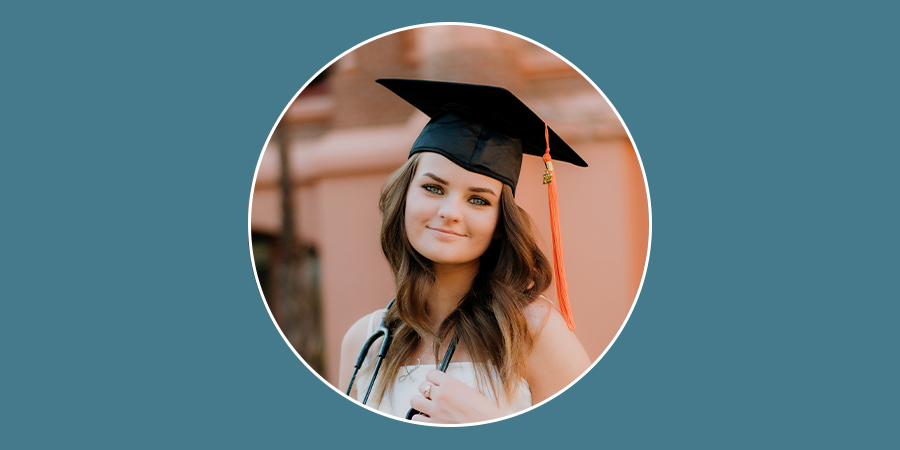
(482, 190)
(471, 189)
(435, 178)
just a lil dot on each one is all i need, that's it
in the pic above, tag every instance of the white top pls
(406, 385)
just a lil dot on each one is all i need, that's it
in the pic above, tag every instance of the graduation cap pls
(486, 130)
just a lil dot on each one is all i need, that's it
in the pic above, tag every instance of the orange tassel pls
(562, 290)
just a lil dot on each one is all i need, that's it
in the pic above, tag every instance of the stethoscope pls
(385, 332)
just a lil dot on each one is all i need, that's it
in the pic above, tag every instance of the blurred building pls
(344, 134)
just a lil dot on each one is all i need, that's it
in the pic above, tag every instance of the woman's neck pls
(451, 283)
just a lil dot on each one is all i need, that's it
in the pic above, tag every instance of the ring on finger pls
(427, 391)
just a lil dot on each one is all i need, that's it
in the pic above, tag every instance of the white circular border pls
(636, 152)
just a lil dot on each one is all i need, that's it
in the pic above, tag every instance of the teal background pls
(131, 318)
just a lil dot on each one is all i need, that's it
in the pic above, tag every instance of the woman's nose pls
(450, 210)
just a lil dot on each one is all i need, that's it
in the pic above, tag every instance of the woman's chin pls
(450, 260)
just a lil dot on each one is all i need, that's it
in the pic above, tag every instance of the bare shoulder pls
(353, 341)
(537, 313)
(557, 357)
(358, 333)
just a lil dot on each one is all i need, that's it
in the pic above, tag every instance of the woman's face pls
(451, 213)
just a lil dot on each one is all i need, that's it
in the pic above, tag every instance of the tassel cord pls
(562, 289)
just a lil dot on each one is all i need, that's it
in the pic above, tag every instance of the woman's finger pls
(426, 409)
(425, 389)
(422, 404)
(436, 376)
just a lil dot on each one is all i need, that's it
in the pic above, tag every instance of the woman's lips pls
(444, 232)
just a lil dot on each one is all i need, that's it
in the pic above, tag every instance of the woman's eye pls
(433, 189)
(477, 201)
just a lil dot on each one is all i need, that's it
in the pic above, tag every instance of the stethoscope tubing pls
(385, 332)
(382, 331)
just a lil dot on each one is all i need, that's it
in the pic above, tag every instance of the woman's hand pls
(451, 401)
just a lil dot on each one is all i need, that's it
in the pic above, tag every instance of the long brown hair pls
(490, 320)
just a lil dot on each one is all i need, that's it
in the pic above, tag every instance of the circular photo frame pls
(320, 252)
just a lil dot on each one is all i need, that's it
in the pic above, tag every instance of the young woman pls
(467, 270)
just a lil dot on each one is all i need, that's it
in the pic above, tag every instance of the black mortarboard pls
(484, 129)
